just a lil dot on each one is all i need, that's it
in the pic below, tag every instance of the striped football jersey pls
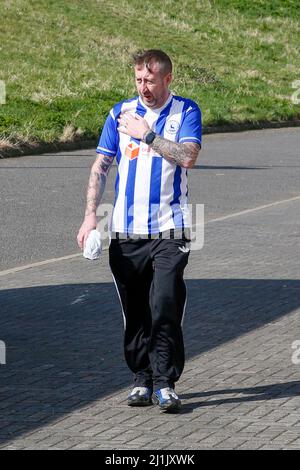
(151, 194)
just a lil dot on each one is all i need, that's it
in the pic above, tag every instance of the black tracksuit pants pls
(149, 278)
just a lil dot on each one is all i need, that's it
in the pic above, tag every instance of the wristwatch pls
(150, 136)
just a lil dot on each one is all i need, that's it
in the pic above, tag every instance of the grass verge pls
(65, 63)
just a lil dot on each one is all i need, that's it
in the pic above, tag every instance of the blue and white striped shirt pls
(151, 193)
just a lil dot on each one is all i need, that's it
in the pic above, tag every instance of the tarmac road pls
(42, 197)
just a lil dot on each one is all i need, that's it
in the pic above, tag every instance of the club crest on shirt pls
(172, 127)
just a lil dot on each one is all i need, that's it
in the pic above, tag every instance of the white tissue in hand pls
(93, 246)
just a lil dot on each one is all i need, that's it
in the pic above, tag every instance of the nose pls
(144, 87)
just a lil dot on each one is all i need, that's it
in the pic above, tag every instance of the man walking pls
(156, 138)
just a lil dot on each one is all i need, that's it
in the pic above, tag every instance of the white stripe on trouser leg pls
(183, 315)
(119, 295)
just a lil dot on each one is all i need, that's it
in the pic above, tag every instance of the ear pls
(168, 78)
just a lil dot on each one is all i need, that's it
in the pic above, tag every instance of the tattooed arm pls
(184, 155)
(95, 190)
(97, 183)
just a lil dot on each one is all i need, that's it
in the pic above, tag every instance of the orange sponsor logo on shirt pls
(132, 150)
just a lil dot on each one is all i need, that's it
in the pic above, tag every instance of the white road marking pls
(248, 211)
(77, 255)
(39, 263)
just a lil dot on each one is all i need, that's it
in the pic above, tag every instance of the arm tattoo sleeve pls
(184, 155)
(97, 182)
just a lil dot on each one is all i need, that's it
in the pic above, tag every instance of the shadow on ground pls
(247, 394)
(64, 343)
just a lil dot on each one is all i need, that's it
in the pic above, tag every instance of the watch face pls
(150, 137)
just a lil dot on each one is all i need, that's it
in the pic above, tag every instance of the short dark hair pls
(146, 57)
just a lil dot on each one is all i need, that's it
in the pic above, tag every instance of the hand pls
(133, 125)
(89, 224)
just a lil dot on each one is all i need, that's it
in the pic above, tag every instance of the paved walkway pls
(65, 383)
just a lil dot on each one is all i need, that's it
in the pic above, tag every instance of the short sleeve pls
(191, 127)
(108, 142)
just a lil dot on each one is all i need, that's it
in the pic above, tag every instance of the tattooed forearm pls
(184, 155)
(97, 183)
(95, 192)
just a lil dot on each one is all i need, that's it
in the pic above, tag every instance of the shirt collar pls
(157, 110)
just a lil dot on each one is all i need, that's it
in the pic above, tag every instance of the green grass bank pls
(65, 63)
